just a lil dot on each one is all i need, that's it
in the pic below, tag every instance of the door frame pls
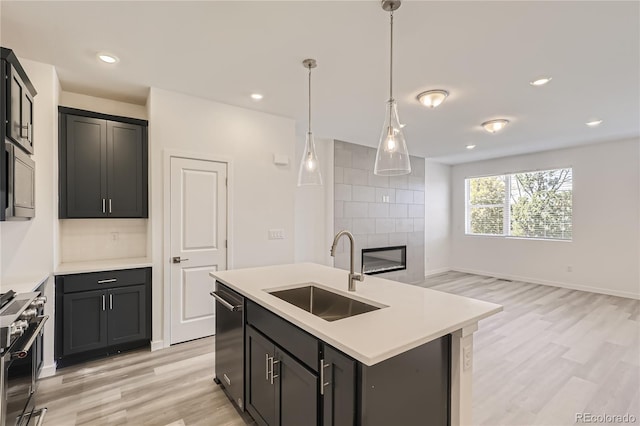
(168, 154)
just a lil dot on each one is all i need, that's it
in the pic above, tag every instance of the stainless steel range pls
(21, 324)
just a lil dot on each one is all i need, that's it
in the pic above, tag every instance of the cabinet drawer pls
(286, 335)
(103, 280)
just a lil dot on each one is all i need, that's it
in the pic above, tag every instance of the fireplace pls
(384, 259)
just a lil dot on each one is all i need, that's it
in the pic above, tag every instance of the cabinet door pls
(260, 388)
(86, 173)
(339, 388)
(126, 170)
(27, 120)
(16, 88)
(126, 314)
(85, 321)
(297, 398)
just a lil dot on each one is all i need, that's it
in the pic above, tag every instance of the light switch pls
(276, 234)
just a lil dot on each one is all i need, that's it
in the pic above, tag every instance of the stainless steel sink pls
(323, 303)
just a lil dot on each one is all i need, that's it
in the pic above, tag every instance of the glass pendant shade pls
(309, 173)
(392, 157)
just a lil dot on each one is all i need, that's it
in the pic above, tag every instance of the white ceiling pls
(483, 53)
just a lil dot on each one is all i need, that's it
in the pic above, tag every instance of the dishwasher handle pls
(225, 303)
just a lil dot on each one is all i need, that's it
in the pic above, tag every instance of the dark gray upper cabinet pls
(18, 97)
(103, 166)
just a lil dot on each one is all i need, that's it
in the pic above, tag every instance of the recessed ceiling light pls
(493, 126)
(470, 146)
(256, 96)
(108, 58)
(593, 123)
(432, 98)
(540, 81)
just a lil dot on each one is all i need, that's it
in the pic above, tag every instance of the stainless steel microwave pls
(21, 184)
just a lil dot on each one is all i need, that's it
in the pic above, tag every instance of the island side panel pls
(462, 375)
(409, 389)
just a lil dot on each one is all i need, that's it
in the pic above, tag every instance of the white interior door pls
(198, 244)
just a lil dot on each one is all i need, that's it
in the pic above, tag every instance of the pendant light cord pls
(391, 62)
(309, 98)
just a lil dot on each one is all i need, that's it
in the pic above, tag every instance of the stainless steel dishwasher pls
(229, 356)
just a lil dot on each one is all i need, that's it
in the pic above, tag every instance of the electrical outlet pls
(276, 234)
(467, 354)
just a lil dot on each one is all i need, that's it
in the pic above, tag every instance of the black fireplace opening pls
(384, 259)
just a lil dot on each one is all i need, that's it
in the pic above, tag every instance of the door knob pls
(177, 259)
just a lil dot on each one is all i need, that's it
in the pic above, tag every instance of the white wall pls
(27, 246)
(605, 250)
(263, 193)
(314, 208)
(104, 106)
(437, 218)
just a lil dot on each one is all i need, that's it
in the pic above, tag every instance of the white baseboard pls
(571, 286)
(48, 370)
(436, 272)
(157, 345)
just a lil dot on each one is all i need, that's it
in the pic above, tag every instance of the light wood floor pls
(551, 354)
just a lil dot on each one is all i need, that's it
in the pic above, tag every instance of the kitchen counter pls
(24, 284)
(102, 265)
(412, 317)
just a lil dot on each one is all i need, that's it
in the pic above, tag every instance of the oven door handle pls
(22, 353)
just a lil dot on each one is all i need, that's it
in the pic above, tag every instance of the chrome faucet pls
(353, 277)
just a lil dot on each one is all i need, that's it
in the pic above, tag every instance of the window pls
(526, 205)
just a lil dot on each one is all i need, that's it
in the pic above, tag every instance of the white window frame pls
(506, 227)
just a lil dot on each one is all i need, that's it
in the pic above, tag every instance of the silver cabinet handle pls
(266, 366)
(104, 206)
(273, 376)
(104, 307)
(178, 259)
(29, 132)
(226, 304)
(109, 205)
(110, 280)
(110, 301)
(322, 382)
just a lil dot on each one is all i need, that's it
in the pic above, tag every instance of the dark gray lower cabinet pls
(339, 388)
(101, 313)
(280, 391)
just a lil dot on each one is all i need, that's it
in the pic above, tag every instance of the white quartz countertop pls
(24, 284)
(413, 316)
(102, 265)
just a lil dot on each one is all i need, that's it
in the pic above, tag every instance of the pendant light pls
(309, 173)
(392, 157)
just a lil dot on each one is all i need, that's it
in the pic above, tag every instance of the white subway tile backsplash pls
(355, 209)
(378, 210)
(398, 238)
(338, 175)
(338, 209)
(363, 193)
(399, 182)
(378, 181)
(378, 240)
(342, 156)
(404, 196)
(418, 224)
(342, 192)
(385, 226)
(417, 167)
(344, 223)
(416, 183)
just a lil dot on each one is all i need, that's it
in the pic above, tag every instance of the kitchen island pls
(408, 325)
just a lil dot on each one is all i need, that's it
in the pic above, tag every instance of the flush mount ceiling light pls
(256, 96)
(540, 81)
(432, 98)
(593, 123)
(494, 126)
(108, 58)
(470, 146)
(392, 156)
(309, 173)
